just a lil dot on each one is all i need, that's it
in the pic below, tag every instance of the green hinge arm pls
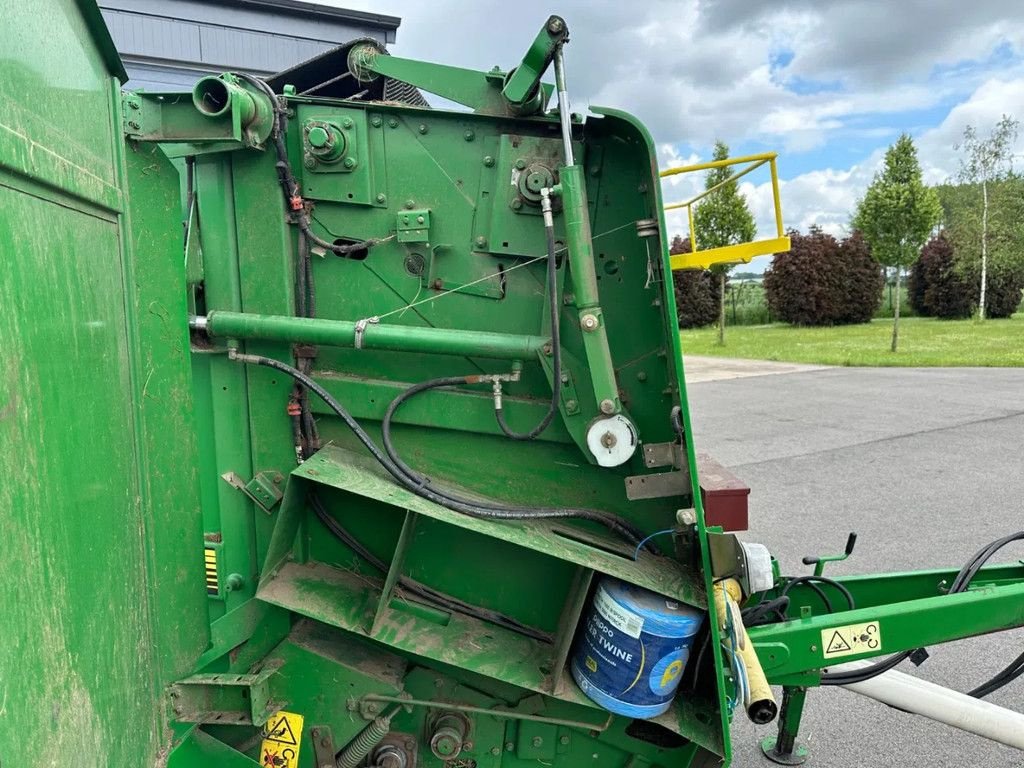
(492, 93)
(799, 646)
(367, 334)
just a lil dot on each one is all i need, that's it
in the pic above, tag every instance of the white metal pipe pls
(941, 704)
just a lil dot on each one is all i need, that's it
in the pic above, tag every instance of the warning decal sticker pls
(851, 639)
(212, 585)
(282, 736)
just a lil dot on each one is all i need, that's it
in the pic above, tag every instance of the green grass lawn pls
(923, 342)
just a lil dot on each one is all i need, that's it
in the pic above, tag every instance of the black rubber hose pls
(809, 581)
(960, 584)
(556, 352)
(413, 587)
(471, 508)
(610, 521)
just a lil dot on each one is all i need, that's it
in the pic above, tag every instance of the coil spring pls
(361, 745)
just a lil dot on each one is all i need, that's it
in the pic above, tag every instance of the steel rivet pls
(537, 741)
(564, 739)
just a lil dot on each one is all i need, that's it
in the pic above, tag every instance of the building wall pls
(167, 44)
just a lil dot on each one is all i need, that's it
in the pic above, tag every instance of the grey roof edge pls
(313, 10)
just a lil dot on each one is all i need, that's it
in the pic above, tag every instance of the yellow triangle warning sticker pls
(852, 639)
(837, 644)
(282, 737)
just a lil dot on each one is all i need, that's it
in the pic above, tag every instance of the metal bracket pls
(413, 226)
(225, 699)
(265, 489)
(663, 455)
(659, 485)
(323, 746)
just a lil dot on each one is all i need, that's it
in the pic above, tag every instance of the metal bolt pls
(393, 123)
(563, 740)
(133, 124)
(347, 123)
(537, 741)
(325, 742)
(381, 198)
(410, 204)
(608, 440)
(423, 128)
(565, 378)
(438, 284)
(641, 188)
(509, 746)
(481, 241)
(589, 322)
(495, 751)
(376, 122)
(468, 746)
(607, 407)
(517, 204)
(570, 405)
(420, 220)
(134, 104)
(595, 170)
(350, 163)
(489, 161)
(546, 349)
(469, 135)
(410, 745)
(372, 708)
(641, 376)
(520, 164)
(555, 26)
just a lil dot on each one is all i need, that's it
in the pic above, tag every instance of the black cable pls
(422, 488)
(289, 185)
(1010, 673)
(413, 587)
(556, 351)
(412, 477)
(960, 584)
(809, 581)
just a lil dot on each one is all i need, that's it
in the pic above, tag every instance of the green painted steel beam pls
(396, 338)
(800, 645)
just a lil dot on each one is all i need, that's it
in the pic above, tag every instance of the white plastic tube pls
(941, 704)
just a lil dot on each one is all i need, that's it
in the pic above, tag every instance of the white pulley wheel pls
(612, 440)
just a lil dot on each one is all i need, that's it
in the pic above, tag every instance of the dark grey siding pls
(168, 44)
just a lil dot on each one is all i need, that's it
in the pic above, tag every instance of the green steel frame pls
(169, 584)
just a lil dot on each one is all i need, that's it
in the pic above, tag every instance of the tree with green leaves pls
(722, 218)
(986, 161)
(897, 214)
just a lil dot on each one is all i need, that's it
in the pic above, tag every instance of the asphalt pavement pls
(926, 465)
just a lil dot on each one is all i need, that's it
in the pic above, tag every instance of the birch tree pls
(985, 161)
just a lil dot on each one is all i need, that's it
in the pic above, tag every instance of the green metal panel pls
(95, 426)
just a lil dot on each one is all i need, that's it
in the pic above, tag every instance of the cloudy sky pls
(829, 84)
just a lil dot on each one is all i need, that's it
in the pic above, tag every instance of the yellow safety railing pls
(729, 254)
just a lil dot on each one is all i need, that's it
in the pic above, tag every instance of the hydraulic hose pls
(960, 584)
(412, 477)
(556, 345)
(474, 509)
